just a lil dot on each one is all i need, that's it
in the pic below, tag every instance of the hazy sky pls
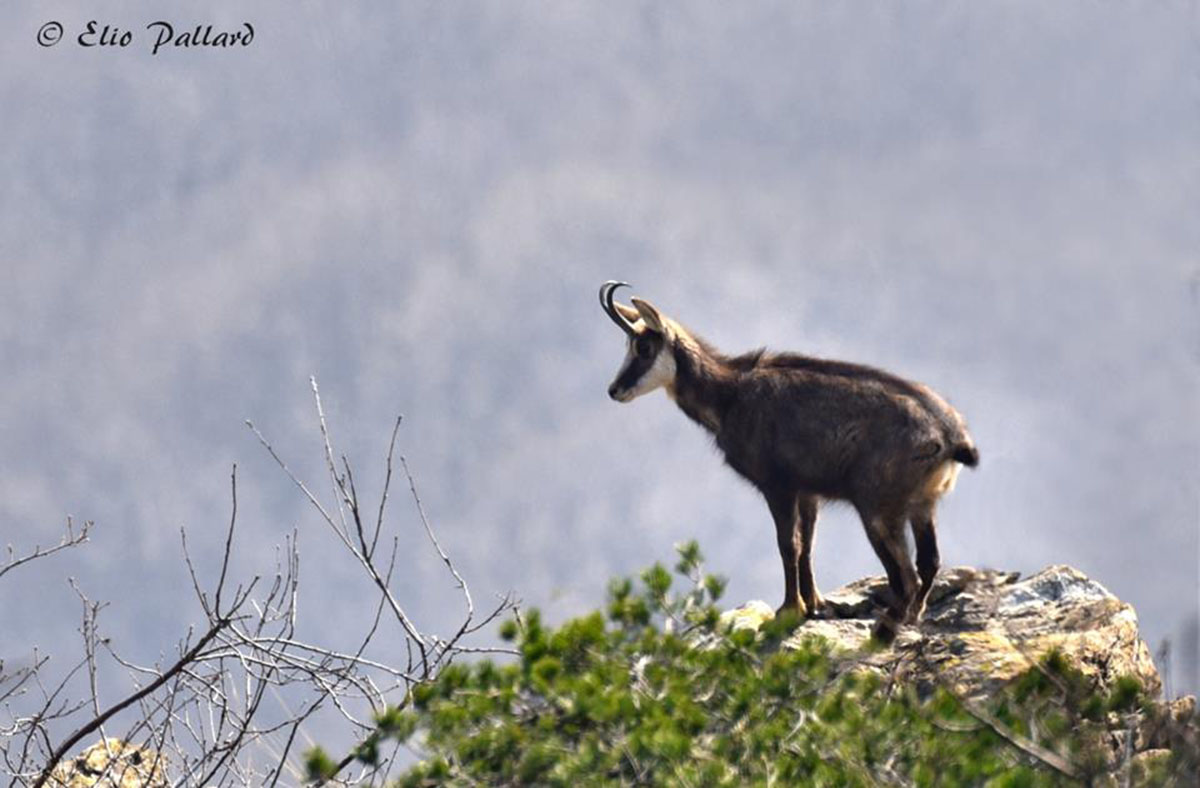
(417, 202)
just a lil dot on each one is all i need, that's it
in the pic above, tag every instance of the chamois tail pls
(967, 454)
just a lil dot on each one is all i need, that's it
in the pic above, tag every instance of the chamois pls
(804, 430)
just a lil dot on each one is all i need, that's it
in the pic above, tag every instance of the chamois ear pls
(628, 312)
(650, 314)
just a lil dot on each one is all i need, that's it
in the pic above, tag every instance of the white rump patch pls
(941, 481)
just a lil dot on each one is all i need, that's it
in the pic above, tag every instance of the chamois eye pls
(643, 347)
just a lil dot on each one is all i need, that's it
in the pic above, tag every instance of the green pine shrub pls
(654, 692)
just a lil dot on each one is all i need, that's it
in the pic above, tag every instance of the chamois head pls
(649, 360)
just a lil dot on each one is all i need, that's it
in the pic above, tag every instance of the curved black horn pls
(606, 301)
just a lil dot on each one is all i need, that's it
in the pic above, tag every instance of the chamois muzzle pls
(606, 302)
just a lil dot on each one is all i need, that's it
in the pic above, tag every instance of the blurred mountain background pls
(417, 202)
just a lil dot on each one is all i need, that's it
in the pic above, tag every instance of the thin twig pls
(70, 539)
(228, 541)
(462, 584)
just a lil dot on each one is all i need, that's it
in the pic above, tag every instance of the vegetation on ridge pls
(656, 691)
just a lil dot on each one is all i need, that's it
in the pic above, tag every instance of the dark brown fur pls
(803, 430)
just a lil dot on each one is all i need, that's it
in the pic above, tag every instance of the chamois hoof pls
(916, 609)
(794, 612)
(885, 630)
(817, 608)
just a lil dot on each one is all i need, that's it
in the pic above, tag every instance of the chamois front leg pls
(783, 510)
(807, 509)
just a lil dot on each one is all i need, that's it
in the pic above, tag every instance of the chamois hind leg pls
(783, 510)
(807, 508)
(928, 560)
(886, 534)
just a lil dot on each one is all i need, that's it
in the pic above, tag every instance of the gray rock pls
(984, 627)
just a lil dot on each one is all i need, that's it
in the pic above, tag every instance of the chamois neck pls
(704, 383)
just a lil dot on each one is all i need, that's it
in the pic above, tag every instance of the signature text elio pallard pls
(164, 35)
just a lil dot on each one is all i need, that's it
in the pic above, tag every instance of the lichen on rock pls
(983, 627)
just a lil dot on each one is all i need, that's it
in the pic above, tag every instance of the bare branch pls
(333, 475)
(69, 539)
(228, 541)
(204, 713)
(104, 716)
(387, 484)
(409, 628)
(462, 584)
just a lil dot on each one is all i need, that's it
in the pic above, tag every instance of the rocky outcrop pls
(983, 628)
(111, 763)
